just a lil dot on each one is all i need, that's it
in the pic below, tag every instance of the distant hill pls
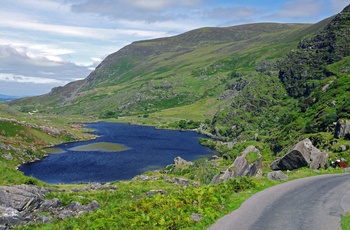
(8, 97)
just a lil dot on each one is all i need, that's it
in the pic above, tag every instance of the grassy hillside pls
(23, 138)
(149, 76)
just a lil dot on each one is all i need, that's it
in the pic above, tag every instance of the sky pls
(48, 43)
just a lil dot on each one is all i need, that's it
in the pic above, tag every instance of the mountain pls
(148, 76)
(269, 82)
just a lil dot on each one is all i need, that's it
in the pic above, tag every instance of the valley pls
(266, 85)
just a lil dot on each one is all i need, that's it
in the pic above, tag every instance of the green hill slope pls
(149, 76)
(301, 95)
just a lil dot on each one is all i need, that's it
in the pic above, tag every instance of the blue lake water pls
(146, 149)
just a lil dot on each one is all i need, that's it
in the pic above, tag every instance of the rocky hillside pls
(301, 95)
(303, 68)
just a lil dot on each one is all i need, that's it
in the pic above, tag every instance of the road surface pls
(304, 204)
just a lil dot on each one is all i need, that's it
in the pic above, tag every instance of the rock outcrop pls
(303, 154)
(277, 175)
(342, 129)
(242, 166)
(181, 163)
(22, 204)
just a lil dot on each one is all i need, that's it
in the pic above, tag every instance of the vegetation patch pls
(345, 221)
(100, 146)
(251, 157)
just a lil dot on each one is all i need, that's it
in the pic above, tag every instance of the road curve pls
(304, 204)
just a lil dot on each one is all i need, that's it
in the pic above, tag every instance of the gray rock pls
(144, 178)
(43, 219)
(10, 217)
(65, 214)
(154, 192)
(291, 160)
(241, 166)
(230, 145)
(180, 162)
(93, 206)
(50, 130)
(196, 217)
(342, 148)
(77, 207)
(23, 198)
(318, 160)
(4, 147)
(342, 129)
(303, 154)
(7, 156)
(277, 175)
(20, 205)
(50, 204)
(181, 181)
(196, 184)
(74, 206)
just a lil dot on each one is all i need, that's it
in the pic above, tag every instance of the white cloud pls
(81, 32)
(20, 55)
(21, 61)
(27, 79)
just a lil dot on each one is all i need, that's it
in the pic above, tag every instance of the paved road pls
(303, 204)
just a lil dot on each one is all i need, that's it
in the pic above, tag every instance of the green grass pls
(251, 157)
(345, 221)
(128, 207)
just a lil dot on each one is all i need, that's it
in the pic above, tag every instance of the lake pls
(121, 152)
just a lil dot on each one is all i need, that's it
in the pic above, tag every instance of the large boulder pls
(342, 129)
(22, 204)
(292, 160)
(21, 198)
(318, 160)
(303, 154)
(247, 164)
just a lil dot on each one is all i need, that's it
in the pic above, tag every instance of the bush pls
(108, 114)
(188, 124)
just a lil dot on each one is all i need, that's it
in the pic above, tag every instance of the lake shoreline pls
(96, 135)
